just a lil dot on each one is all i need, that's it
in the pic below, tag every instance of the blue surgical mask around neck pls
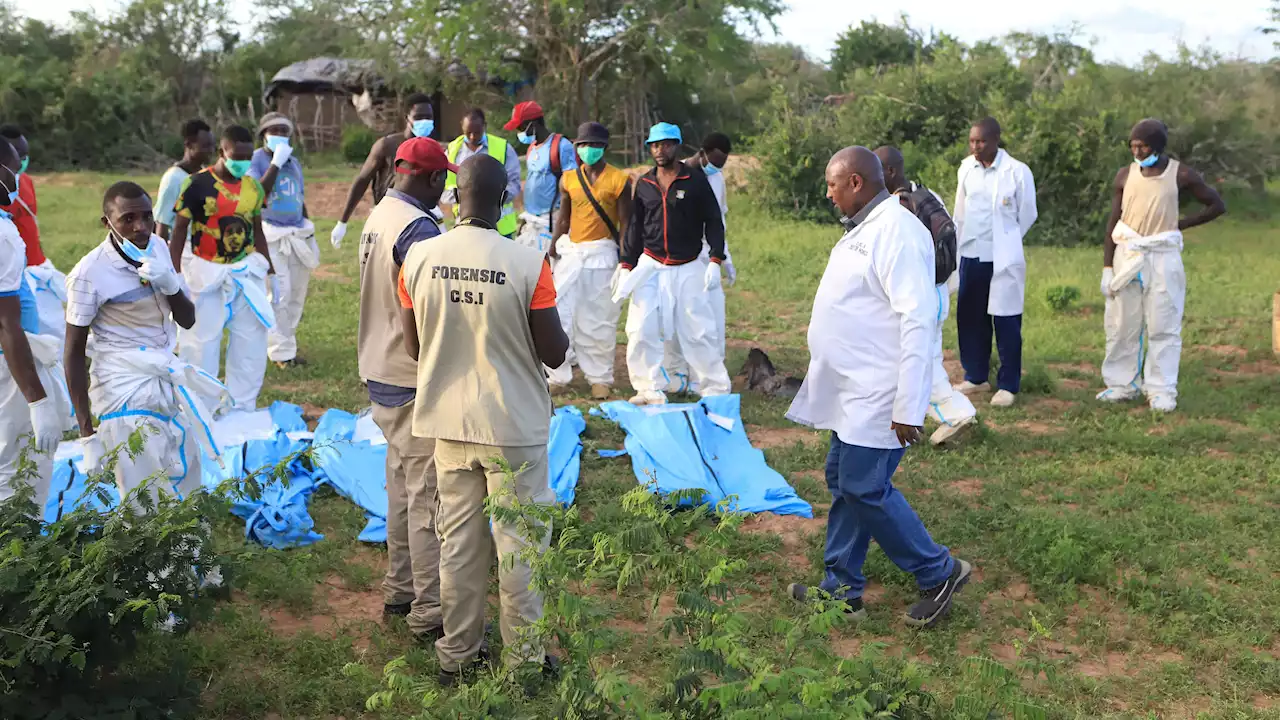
(423, 128)
(1149, 160)
(13, 194)
(131, 251)
(710, 169)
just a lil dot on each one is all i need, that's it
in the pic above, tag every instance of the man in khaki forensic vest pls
(1143, 279)
(402, 218)
(484, 310)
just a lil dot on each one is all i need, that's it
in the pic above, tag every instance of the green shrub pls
(76, 596)
(1061, 297)
(357, 141)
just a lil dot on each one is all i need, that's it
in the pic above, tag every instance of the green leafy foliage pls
(357, 141)
(1061, 297)
(76, 596)
(1063, 114)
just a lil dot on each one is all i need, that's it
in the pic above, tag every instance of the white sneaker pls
(967, 387)
(1003, 398)
(947, 432)
(1117, 395)
(1162, 403)
(649, 397)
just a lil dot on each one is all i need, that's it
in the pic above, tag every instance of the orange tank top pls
(585, 223)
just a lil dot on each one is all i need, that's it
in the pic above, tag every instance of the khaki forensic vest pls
(1149, 205)
(479, 377)
(381, 350)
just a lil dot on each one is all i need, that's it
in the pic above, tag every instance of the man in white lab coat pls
(870, 388)
(995, 207)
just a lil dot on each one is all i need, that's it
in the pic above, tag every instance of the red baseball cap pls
(522, 114)
(422, 155)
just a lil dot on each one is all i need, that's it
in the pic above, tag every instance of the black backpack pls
(933, 214)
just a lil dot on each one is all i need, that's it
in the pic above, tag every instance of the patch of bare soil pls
(311, 414)
(849, 644)
(1225, 351)
(966, 487)
(339, 608)
(765, 438)
(1259, 368)
(326, 200)
(1076, 368)
(330, 273)
(1036, 427)
(792, 530)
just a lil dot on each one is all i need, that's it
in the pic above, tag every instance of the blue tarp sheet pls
(349, 454)
(702, 445)
(564, 452)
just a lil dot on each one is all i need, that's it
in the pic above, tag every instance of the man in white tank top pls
(1143, 278)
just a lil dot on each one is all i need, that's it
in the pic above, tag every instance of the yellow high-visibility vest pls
(497, 151)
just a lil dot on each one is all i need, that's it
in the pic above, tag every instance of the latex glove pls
(712, 278)
(281, 155)
(46, 424)
(617, 281)
(161, 277)
(94, 454)
(1108, 274)
(339, 232)
(731, 272)
(274, 280)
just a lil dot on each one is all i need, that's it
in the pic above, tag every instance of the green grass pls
(1146, 547)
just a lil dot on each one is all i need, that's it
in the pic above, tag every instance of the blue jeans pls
(866, 505)
(974, 327)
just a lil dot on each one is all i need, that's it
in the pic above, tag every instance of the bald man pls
(871, 388)
(951, 408)
(480, 317)
(1143, 279)
(995, 207)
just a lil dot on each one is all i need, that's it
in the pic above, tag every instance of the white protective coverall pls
(671, 302)
(675, 366)
(1143, 318)
(295, 254)
(535, 232)
(587, 311)
(946, 404)
(151, 390)
(15, 416)
(233, 297)
(50, 289)
(1013, 214)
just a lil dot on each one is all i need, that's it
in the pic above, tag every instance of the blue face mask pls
(526, 138)
(13, 194)
(25, 162)
(710, 169)
(1149, 160)
(274, 141)
(423, 128)
(131, 251)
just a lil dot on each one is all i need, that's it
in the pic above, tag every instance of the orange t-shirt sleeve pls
(406, 302)
(544, 294)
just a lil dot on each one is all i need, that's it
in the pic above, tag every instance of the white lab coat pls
(872, 331)
(1014, 212)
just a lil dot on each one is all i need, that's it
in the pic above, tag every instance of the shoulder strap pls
(586, 189)
(553, 147)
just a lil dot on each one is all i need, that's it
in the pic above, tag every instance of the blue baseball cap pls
(664, 131)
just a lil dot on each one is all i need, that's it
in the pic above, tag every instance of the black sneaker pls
(852, 606)
(935, 602)
(398, 610)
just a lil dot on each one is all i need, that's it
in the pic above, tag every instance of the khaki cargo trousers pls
(467, 473)
(413, 550)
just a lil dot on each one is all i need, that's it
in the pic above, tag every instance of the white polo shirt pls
(872, 331)
(106, 295)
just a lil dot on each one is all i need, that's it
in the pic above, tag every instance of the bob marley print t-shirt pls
(221, 215)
